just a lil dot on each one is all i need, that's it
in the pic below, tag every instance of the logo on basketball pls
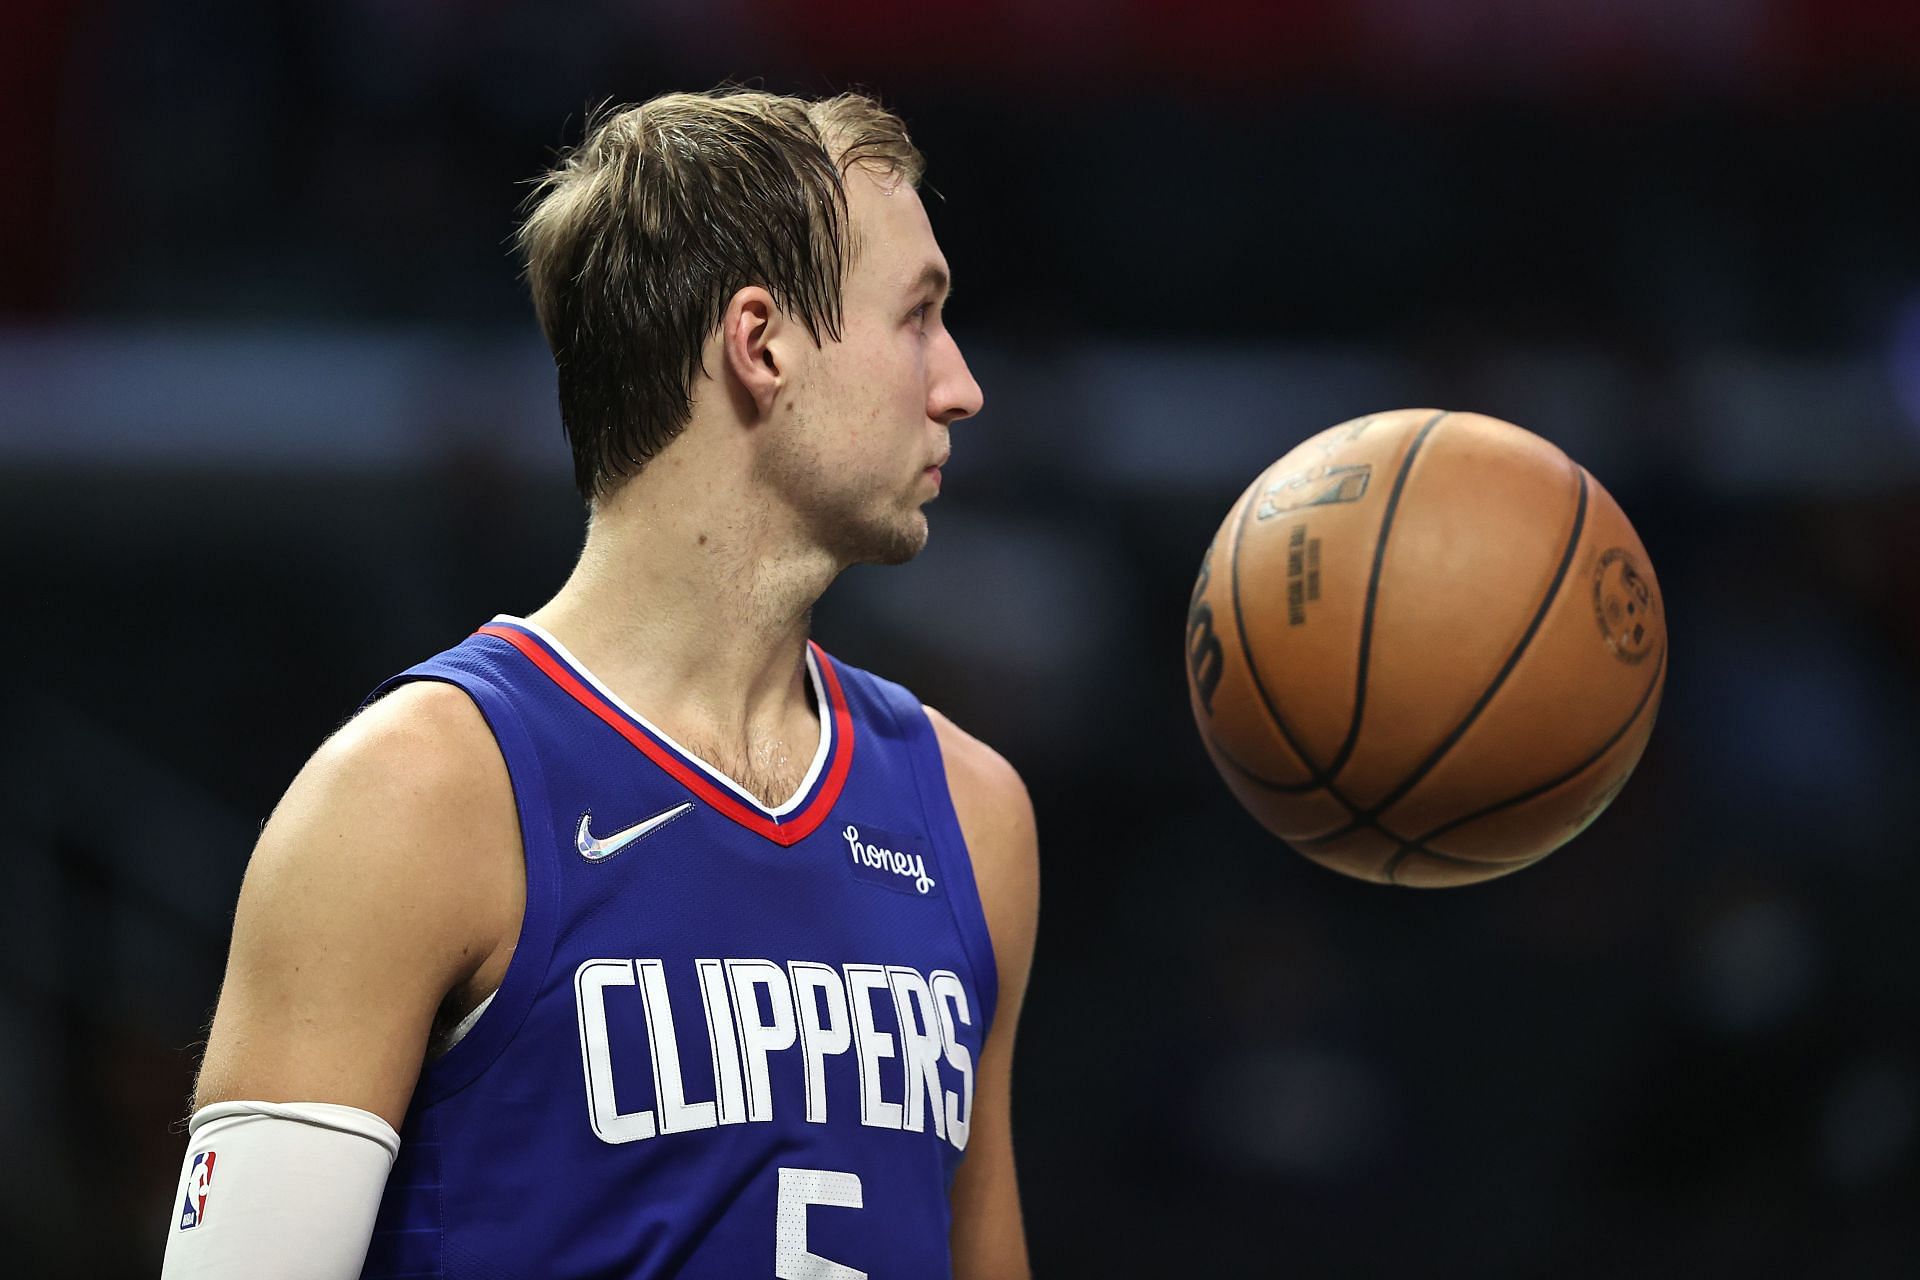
(193, 1209)
(1624, 606)
(1320, 486)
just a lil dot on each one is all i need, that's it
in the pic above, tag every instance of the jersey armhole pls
(943, 824)
(494, 1022)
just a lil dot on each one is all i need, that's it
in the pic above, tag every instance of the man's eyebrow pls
(933, 277)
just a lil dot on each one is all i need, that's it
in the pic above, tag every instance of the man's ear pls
(754, 335)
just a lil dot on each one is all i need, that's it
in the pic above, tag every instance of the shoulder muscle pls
(996, 816)
(389, 872)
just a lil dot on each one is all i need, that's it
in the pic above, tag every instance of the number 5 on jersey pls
(798, 1189)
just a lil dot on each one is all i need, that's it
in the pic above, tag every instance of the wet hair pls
(639, 236)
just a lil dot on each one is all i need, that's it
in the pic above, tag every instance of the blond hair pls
(640, 235)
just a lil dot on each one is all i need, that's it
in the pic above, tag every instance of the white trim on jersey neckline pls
(820, 753)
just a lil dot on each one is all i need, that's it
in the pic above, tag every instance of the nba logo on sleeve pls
(193, 1209)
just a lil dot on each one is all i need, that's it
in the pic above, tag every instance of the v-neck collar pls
(786, 824)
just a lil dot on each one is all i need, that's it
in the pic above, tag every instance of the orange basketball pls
(1426, 648)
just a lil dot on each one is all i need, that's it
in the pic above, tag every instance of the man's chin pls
(894, 543)
(905, 545)
(894, 540)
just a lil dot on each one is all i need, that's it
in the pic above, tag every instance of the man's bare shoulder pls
(996, 817)
(977, 772)
(388, 877)
(410, 801)
(425, 743)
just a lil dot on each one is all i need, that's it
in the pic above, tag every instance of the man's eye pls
(919, 313)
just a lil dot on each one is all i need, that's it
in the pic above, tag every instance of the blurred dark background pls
(277, 423)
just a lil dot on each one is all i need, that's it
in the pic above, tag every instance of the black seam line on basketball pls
(1315, 778)
(1613, 739)
(1345, 752)
(1284, 788)
(1392, 868)
(1419, 845)
(1452, 739)
(1394, 860)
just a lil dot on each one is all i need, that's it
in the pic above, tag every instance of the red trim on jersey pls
(790, 832)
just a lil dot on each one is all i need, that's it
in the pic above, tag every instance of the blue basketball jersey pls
(733, 1041)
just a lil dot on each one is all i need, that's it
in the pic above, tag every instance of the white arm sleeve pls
(287, 1190)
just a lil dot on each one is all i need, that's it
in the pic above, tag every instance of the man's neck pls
(694, 608)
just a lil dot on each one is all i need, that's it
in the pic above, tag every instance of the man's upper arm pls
(997, 819)
(387, 876)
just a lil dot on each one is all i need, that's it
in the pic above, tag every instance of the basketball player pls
(639, 937)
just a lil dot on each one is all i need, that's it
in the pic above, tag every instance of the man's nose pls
(954, 394)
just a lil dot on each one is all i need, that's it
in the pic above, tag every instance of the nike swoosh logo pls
(597, 850)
